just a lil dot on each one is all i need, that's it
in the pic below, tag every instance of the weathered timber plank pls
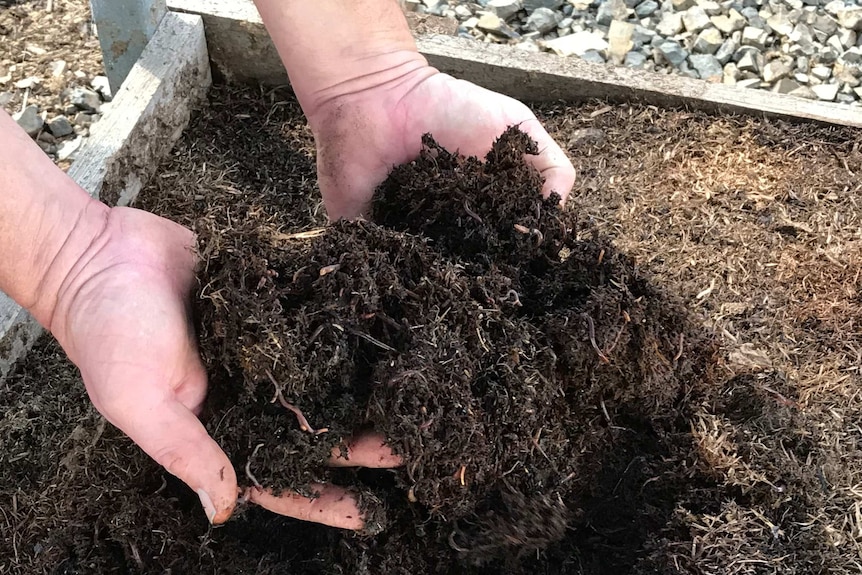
(242, 51)
(240, 48)
(125, 27)
(147, 116)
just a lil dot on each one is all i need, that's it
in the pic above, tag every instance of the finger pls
(153, 417)
(365, 450)
(334, 506)
(552, 162)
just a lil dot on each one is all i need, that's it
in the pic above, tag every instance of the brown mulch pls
(754, 224)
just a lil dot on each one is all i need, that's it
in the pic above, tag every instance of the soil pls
(683, 464)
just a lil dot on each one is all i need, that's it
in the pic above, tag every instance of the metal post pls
(124, 28)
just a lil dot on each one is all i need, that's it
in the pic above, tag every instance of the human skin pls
(112, 285)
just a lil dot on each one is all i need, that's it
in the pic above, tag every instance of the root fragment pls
(602, 357)
(300, 417)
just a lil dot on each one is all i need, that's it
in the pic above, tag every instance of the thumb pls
(552, 162)
(153, 416)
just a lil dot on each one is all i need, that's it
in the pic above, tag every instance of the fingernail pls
(207, 504)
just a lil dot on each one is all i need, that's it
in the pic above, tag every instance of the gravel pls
(806, 48)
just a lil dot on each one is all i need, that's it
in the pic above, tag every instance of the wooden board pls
(145, 119)
(242, 51)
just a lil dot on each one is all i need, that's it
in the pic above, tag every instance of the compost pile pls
(513, 358)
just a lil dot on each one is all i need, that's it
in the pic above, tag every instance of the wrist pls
(332, 49)
(61, 252)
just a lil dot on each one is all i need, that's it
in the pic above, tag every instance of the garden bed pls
(742, 460)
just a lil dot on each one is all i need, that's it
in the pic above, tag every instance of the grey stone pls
(101, 85)
(731, 73)
(803, 39)
(492, 23)
(530, 5)
(753, 17)
(83, 119)
(58, 68)
(504, 9)
(29, 120)
(821, 72)
(858, 92)
(670, 24)
(728, 48)
(680, 5)
(619, 40)
(60, 126)
(728, 24)
(824, 23)
(780, 23)
(635, 60)
(610, 10)
(835, 6)
(642, 36)
(825, 91)
(708, 41)
(566, 22)
(803, 64)
(847, 37)
(461, 11)
(543, 20)
(5, 98)
(672, 52)
(801, 78)
(785, 86)
(756, 37)
(804, 92)
(707, 66)
(829, 55)
(593, 56)
(577, 44)
(695, 19)
(710, 7)
(748, 60)
(850, 18)
(749, 83)
(646, 8)
(27, 83)
(835, 43)
(85, 99)
(775, 70)
(68, 148)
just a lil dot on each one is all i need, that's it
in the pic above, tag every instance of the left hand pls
(361, 136)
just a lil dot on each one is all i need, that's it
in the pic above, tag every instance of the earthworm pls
(470, 212)
(248, 472)
(303, 422)
(516, 301)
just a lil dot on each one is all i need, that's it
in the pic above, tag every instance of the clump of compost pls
(495, 341)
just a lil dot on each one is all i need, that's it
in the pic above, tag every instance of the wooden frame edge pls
(147, 116)
(242, 51)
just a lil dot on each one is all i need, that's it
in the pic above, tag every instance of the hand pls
(122, 318)
(361, 136)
